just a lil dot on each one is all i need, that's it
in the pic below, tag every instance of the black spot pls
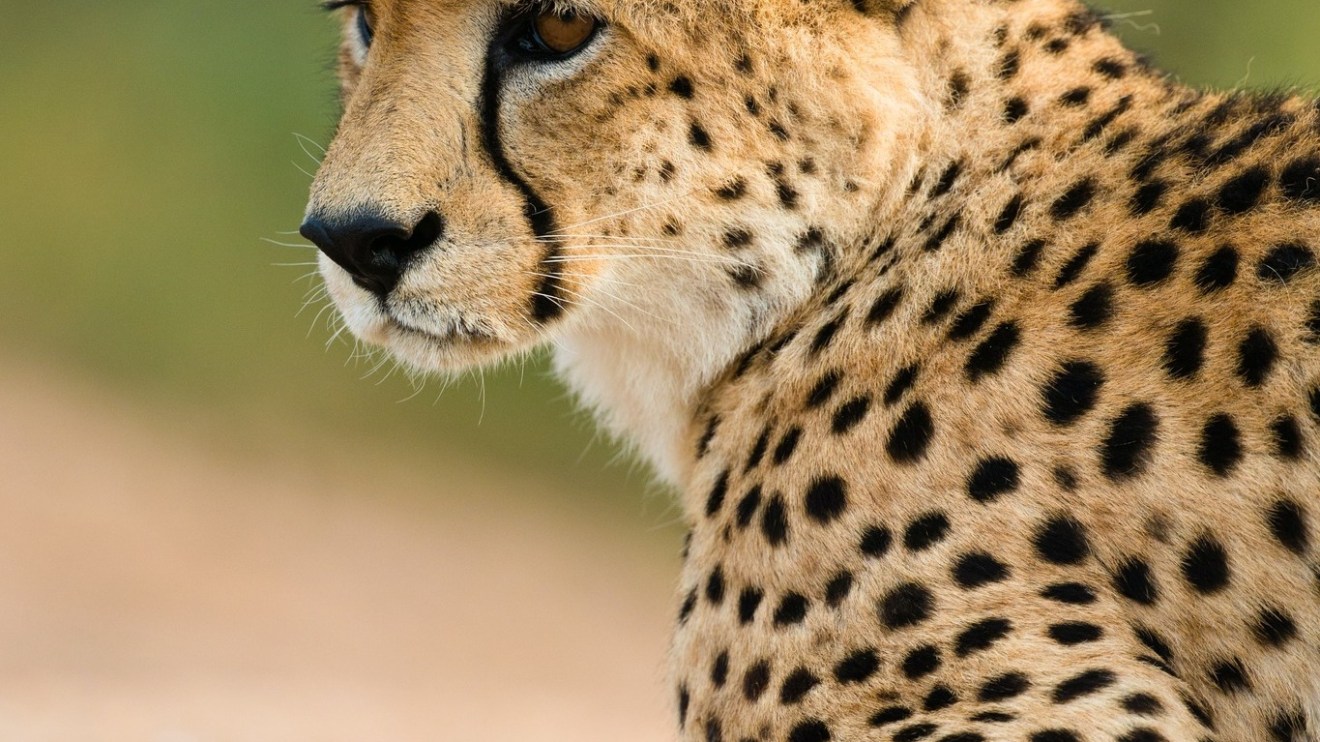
(1219, 271)
(1313, 324)
(756, 680)
(788, 443)
(890, 715)
(1092, 309)
(1055, 735)
(938, 239)
(1111, 68)
(1148, 197)
(1288, 726)
(1009, 216)
(1221, 445)
(1003, 687)
(748, 601)
(1151, 262)
(1184, 353)
(906, 605)
(884, 306)
(1008, 65)
(1074, 200)
(926, 531)
(1143, 704)
(993, 352)
(857, 667)
(798, 684)
(1275, 628)
(1127, 446)
(993, 478)
(902, 382)
(715, 586)
(1230, 676)
(1205, 565)
(911, 436)
(978, 569)
(982, 635)
(876, 541)
(838, 588)
(971, 321)
(1257, 354)
(1287, 521)
(812, 730)
(1076, 97)
(1014, 110)
(915, 732)
(774, 522)
(681, 86)
(719, 672)
(825, 336)
(1300, 179)
(826, 499)
(1072, 593)
(715, 500)
(1193, 217)
(1075, 265)
(792, 610)
(1062, 540)
(1027, 258)
(1075, 632)
(850, 414)
(824, 390)
(758, 450)
(947, 179)
(921, 662)
(689, 605)
(1072, 392)
(1287, 437)
(1284, 262)
(699, 138)
(940, 306)
(1084, 684)
(1243, 192)
(737, 239)
(940, 697)
(992, 717)
(1155, 643)
(959, 85)
(1134, 581)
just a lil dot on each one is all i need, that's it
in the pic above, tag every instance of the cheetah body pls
(1011, 429)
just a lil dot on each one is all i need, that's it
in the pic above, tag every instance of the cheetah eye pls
(366, 25)
(364, 17)
(549, 35)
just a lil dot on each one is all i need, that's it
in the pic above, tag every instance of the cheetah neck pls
(974, 62)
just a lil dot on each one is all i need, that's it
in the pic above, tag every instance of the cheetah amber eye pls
(552, 35)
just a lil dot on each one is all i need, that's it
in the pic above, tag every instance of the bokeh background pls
(219, 523)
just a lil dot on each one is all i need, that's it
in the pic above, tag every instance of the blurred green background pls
(149, 146)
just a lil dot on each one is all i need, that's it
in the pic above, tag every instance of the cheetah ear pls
(882, 7)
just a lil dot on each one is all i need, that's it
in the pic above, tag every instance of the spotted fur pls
(986, 358)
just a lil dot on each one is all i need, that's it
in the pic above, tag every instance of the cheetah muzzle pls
(986, 357)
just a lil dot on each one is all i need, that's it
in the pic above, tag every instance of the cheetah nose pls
(375, 250)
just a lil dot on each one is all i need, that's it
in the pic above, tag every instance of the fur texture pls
(984, 356)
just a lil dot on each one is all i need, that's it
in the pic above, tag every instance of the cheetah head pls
(646, 185)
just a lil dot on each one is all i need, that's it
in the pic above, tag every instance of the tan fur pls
(848, 215)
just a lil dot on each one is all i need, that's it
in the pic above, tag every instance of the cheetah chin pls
(986, 357)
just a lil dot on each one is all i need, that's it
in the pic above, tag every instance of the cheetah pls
(985, 357)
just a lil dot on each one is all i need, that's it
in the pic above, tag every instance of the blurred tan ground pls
(153, 587)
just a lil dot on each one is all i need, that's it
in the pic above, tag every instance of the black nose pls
(374, 250)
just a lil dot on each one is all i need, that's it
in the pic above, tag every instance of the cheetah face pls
(510, 172)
